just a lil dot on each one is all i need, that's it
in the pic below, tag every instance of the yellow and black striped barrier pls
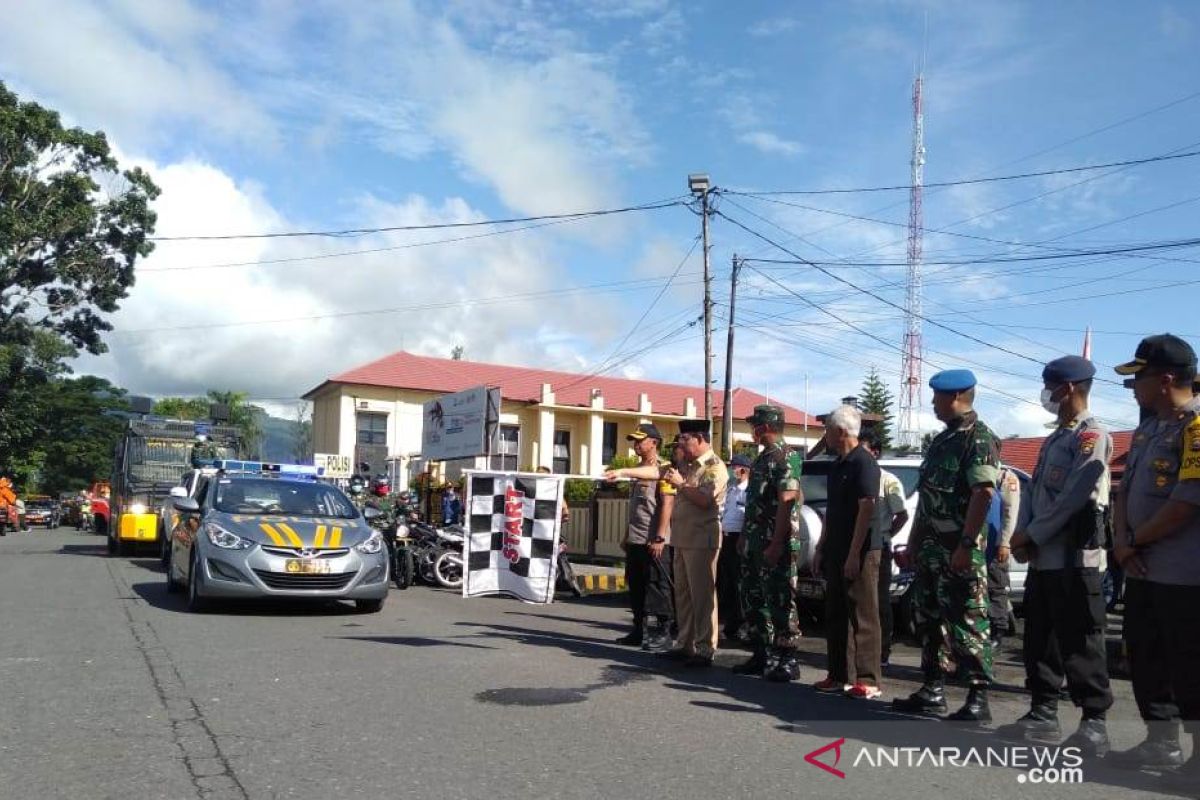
(601, 583)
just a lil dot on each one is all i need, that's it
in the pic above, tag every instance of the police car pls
(255, 530)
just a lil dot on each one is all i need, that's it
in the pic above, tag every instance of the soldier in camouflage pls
(958, 479)
(768, 556)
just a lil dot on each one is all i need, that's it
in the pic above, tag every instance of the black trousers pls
(1162, 633)
(729, 567)
(885, 602)
(998, 600)
(1064, 637)
(650, 586)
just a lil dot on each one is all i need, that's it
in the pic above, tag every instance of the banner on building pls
(513, 524)
(461, 425)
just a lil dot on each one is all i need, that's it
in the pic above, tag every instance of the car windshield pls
(908, 476)
(39, 504)
(293, 498)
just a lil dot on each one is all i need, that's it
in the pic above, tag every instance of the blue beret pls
(952, 380)
(1068, 369)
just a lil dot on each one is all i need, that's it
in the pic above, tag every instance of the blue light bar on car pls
(259, 468)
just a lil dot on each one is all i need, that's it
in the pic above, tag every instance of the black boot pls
(659, 639)
(1040, 724)
(975, 709)
(633, 638)
(787, 668)
(929, 699)
(1160, 750)
(1091, 738)
(755, 665)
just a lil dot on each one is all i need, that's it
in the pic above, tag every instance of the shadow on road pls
(798, 708)
(416, 641)
(155, 594)
(84, 549)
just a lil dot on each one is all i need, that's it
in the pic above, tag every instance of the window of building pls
(508, 449)
(608, 450)
(561, 464)
(372, 428)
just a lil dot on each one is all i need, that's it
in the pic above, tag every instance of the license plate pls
(811, 589)
(304, 566)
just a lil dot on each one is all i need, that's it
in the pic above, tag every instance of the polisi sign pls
(336, 466)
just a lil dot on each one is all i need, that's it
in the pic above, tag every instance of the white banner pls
(513, 522)
(335, 466)
(456, 425)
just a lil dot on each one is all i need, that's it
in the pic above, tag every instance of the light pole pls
(699, 186)
(727, 405)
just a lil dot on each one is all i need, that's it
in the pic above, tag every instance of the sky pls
(268, 117)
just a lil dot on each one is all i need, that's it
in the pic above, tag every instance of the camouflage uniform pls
(766, 591)
(951, 609)
(204, 453)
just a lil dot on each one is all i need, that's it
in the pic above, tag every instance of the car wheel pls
(173, 586)
(369, 606)
(197, 603)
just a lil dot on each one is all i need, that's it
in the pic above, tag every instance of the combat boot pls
(787, 668)
(1091, 739)
(929, 699)
(633, 638)
(975, 709)
(1040, 724)
(755, 665)
(658, 640)
(1160, 750)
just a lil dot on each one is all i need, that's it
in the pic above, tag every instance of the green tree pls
(876, 399)
(302, 449)
(81, 433)
(182, 407)
(247, 418)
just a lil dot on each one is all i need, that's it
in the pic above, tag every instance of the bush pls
(578, 491)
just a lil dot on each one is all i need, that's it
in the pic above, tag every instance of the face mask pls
(1047, 403)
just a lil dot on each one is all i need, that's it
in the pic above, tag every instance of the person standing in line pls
(729, 605)
(1156, 539)
(769, 552)
(1002, 523)
(958, 478)
(451, 507)
(648, 534)
(848, 557)
(1060, 533)
(696, 540)
(891, 515)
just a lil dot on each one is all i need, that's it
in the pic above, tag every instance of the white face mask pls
(1048, 404)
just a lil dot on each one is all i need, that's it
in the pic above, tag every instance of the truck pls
(151, 458)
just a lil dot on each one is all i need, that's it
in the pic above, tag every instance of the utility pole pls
(699, 186)
(727, 405)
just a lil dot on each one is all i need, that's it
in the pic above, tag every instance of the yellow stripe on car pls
(293, 537)
(274, 534)
(320, 540)
(335, 538)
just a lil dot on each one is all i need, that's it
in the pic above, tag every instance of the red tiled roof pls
(407, 371)
(1022, 453)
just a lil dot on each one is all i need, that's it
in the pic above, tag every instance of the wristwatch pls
(968, 542)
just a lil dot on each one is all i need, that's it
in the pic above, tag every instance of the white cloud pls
(774, 26)
(771, 144)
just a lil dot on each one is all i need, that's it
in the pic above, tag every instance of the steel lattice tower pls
(910, 370)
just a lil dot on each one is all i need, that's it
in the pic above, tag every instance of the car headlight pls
(372, 545)
(225, 539)
(137, 508)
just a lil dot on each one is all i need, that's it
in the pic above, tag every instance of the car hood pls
(295, 532)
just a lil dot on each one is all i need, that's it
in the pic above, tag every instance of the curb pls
(601, 584)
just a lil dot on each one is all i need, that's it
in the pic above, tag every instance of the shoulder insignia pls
(1087, 442)
(1160, 481)
(1189, 463)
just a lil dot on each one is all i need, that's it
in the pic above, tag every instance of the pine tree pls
(876, 399)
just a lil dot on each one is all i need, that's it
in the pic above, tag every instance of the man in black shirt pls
(849, 560)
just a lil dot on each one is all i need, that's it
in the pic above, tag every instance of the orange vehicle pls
(8, 506)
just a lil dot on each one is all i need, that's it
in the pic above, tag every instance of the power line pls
(971, 181)
(350, 232)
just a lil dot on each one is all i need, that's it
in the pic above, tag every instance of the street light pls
(698, 183)
(699, 186)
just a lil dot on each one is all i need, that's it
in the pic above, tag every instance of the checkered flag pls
(513, 525)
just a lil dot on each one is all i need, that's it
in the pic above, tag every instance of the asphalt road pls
(110, 689)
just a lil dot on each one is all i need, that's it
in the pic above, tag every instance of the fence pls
(596, 529)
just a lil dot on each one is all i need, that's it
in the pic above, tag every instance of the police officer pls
(768, 549)
(1156, 539)
(1002, 523)
(958, 480)
(1061, 533)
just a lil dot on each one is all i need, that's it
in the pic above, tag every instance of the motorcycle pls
(565, 582)
(436, 554)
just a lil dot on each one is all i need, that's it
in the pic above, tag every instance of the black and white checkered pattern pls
(524, 568)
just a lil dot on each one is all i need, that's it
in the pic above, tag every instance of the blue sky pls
(266, 117)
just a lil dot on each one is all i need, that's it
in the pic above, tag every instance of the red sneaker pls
(831, 686)
(864, 691)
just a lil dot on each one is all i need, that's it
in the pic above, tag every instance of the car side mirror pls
(188, 505)
(371, 513)
(178, 491)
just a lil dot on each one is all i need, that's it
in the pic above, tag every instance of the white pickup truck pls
(810, 588)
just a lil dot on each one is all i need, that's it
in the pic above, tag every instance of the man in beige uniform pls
(696, 538)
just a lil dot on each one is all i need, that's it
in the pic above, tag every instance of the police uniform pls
(951, 608)
(766, 590)
(1005, 508)
(648, 578)
(1062, 519)
(1162, 610)
(729, 563)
